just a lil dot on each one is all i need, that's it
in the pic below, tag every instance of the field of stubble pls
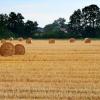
(60, 71)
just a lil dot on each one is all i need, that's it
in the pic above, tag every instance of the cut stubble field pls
(60, 71)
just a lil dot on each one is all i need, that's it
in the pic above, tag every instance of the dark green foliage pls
(54, 30)
(14, 26)
(82, 23)
(30, 28)
(85, 22)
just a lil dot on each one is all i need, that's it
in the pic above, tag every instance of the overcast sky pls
(44, 11)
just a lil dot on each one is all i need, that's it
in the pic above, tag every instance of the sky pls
(44, 11)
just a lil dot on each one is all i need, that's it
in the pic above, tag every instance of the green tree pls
(83, 23)
(16, 24)
(90, 15)
(4, 32)
(20, 25)
(75, 24)
(60, 22)
(54, 30)
(30, 28)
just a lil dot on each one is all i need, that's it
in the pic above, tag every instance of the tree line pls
(82, 23)
(13, 25)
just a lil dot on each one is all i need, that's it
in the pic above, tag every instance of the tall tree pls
(30, 28)
(60, 22)
(54, 30)
(83, 22)
(75, 19)
(16, 24)
(90, 14)
(4, 32)
(75, 24)
(20, 25)
(12, 22)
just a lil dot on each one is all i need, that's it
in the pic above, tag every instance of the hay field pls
(60, 71)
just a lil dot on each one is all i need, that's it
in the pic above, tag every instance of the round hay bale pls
(3, 41)
(51, 41)
(19, 49)
(20, 39)
(11, 38)
(7, 49)
(30, 38)
(87, 40)
(29, 41)
(72, 40)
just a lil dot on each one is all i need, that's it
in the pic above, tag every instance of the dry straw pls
(7, 49)
(51, 41)
(19, 49)
(72, 40)
(87, 40)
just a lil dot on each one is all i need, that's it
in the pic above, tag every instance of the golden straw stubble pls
(19, 49)
(7, 49)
